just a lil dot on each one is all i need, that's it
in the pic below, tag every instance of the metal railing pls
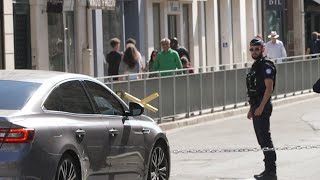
(212, 88)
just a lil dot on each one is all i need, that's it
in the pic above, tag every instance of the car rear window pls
(15, 94)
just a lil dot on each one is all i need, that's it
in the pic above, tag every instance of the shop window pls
(172, 26)
(22, 35)
(112, 22)
(56, 42)
(186, 26)
(275, 19)
(156, 26)
(70, 42)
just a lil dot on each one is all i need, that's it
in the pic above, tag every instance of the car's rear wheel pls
(159, 167)
(68, 169)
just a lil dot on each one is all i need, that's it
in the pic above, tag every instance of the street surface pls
(296, 124)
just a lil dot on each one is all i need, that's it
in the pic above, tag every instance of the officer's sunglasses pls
(254, 49)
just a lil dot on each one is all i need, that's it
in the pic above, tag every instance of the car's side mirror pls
(136, 109)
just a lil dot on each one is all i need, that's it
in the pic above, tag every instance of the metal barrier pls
(214, 88)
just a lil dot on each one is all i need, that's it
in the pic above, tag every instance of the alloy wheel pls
(159, 164)
(67, 170)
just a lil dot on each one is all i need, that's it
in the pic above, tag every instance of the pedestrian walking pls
(188, 69)
(153, 57)
(167, 59)
(130, 63)
(182, 51)
(133, 42)
(313, 46)
(114, 58)
(275, 48)
(260, 84)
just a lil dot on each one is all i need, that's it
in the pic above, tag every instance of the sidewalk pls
(232, 112)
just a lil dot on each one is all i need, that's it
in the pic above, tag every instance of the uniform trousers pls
(261, 126)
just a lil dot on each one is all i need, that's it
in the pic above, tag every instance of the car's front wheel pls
(68, 169)
(159, 167)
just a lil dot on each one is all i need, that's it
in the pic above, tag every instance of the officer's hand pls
(249, 115)
(258, 111)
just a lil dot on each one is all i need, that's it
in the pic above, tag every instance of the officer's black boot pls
(266, 175)
(259, 175)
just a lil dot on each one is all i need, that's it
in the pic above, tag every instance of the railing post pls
(160, 98)
(188, 96)
(310, 76)
(302, 77)
(294, 78)
(201, 90)
(236, 88)
(174, 94)
(145, 85)
(224, 89)
(286, 78)
(111, 83)
(212, 71)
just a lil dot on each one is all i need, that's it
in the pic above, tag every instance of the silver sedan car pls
(62, 126)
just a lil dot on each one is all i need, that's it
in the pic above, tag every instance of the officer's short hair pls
(256, 42)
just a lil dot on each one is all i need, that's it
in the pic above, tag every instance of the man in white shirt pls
(275, 48)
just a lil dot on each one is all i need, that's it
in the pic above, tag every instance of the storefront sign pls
(102, 4)
(54, 6)
(275, 4)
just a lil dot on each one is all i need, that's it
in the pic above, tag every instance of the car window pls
(15, 94)
(69, 97)
(106, 102)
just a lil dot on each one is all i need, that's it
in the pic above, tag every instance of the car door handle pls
(80, 133)
(113, 132)
(145, 131)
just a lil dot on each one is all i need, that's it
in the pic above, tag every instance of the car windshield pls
(15, 94)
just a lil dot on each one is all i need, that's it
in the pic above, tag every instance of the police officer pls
(260, 84)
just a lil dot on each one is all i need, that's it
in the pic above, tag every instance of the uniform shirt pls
(167, 61)
(276, 50)
(261, 69)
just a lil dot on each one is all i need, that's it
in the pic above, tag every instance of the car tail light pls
(16, 135)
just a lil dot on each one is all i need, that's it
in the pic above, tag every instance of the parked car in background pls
(64, 126)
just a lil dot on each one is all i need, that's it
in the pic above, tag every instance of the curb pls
(232, 112)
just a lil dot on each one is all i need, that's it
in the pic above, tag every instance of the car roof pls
(36, 76)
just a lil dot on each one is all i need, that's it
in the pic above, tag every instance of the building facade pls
(7, 36)
(73, 35)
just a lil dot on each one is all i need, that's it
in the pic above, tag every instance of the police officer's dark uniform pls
(262, 69)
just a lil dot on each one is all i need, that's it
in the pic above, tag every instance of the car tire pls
(158, 165)
(68, 169)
